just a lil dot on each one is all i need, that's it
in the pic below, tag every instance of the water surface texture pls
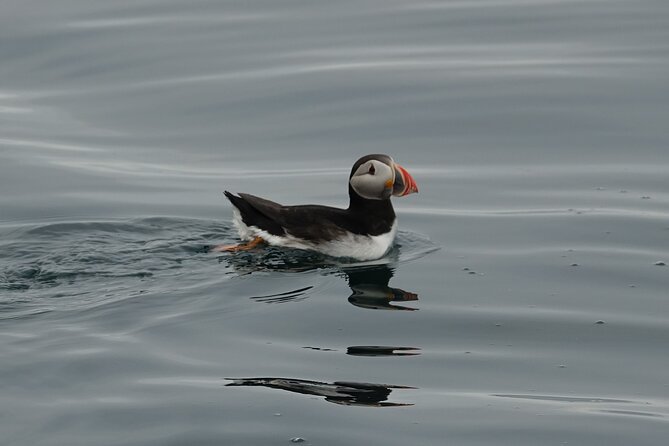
(526, 299)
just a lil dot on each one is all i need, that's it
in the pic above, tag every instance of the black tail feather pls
(253, 217)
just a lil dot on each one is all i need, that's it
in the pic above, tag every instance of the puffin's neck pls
(377, 211)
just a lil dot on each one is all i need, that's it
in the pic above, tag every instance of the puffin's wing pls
(258, 212)
(308, 222)
(314, 223)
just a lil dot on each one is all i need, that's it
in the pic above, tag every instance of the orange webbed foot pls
(241, 247)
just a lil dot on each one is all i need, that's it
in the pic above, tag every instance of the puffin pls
(364, 231)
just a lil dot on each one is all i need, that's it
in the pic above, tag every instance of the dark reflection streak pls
(370, 289)
(281, 299)
(372, 350)
(284, 294)
(287, 296)
(378, 350)
(339, 392)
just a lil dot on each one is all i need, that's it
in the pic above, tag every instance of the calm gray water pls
(525, 303)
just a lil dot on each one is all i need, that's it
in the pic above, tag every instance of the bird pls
(363, 231)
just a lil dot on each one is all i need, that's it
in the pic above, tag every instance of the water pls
(536, 131)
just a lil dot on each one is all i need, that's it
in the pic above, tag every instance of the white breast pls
(360, 247)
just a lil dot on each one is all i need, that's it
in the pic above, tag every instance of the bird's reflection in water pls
(370, 289)
(368, 283)
(338, 392)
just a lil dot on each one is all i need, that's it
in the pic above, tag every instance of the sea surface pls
(526, 299)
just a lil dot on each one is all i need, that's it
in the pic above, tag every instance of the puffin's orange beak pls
(404, 182)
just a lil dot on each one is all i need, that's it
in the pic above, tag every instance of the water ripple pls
(75, 265)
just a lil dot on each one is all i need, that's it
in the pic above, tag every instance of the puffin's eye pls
(372, 170)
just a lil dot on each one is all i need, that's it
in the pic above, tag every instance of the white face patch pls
(371, 180)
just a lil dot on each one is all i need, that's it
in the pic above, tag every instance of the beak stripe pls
(410, 185)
